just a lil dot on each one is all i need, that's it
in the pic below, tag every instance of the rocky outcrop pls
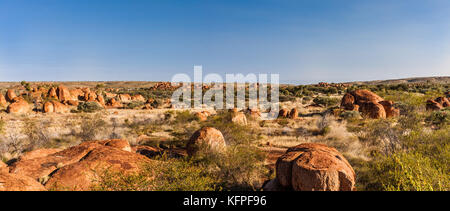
(78, 167)
(314, 167)
(207, 137)
(369, 104)
(85, 173)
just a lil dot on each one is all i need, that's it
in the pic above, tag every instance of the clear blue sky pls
(305, 41)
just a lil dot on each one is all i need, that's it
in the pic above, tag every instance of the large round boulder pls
(207, 137)
(314, 167)
(19, 107)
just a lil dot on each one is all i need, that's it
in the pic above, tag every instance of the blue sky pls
(305, 41)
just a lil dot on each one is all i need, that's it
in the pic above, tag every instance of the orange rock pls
(55, 107)
(314, 167)
(372, 110)
(52, 93)
(38, 153)
(348, 101)
(389, 108)
(284, 113)
(138, 97)
(433, 105)
(19, 107)
(201, 116)
(13, 182)
(48, 107)
(206, 137)
(443, 101)
(124, 98)
(63, 93)
(365, 96)
(86, 173)
(10, 95)
(110, 95)
(239, 118)
(293, 114)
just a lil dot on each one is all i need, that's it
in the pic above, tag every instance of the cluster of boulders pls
(438, 103)
(60, 99)
(164, 86)
(312, 167)
(337, 85)
(286, 113)
(369, 104)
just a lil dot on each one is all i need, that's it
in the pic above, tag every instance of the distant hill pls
(438, 79)
(146, 84)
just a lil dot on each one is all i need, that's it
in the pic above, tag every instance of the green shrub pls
(350, 115)
(134, 105)
(422, 163)
(326, 101)
(88, 107)
(439, 118)
(170, 175)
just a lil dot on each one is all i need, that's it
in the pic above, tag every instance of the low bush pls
(88, 107)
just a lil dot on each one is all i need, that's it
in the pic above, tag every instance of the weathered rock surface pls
(13, 182)
(63, 93)
(313, 167)
(19, 107)
(206, 137)
(78, 167)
